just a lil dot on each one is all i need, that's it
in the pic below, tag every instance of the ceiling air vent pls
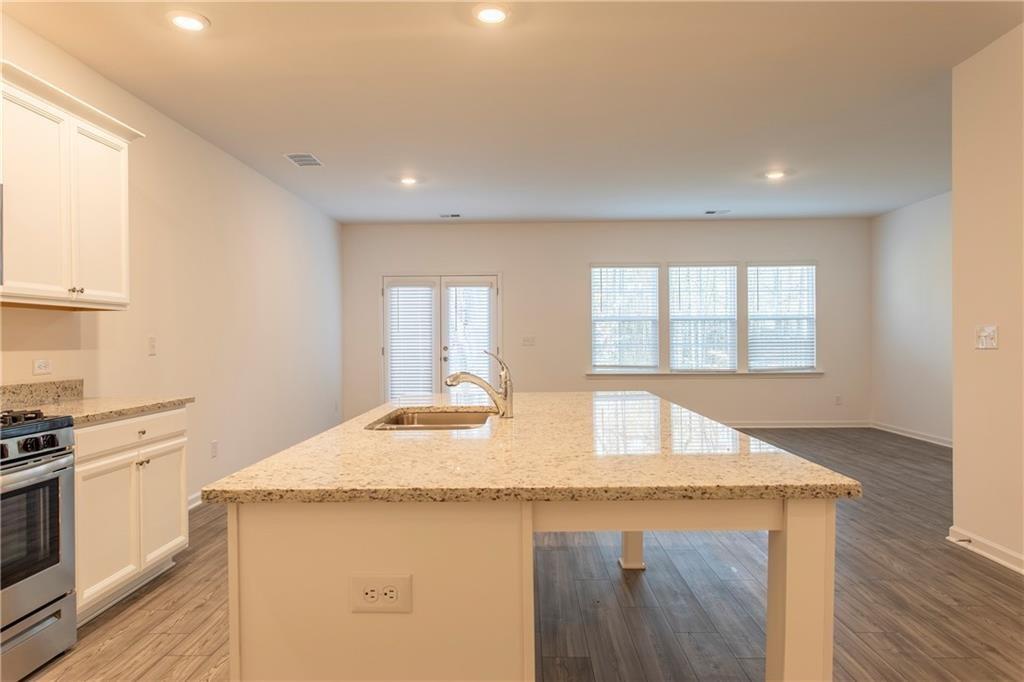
(303, 160)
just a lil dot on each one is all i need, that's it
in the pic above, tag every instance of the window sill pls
(794, 374)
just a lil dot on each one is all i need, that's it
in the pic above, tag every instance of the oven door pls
(37, 556)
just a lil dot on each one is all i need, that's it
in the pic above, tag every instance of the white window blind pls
(781, 329)
(468, 336)
(410, 330)
(702, 317)
(624, 318)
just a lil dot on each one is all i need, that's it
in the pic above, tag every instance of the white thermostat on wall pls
(986, 337)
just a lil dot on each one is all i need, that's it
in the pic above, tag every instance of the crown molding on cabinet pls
(29, 82)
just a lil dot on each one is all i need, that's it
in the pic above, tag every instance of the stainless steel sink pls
(412, 419)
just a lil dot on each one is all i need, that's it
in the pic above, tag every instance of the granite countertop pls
(559, 446)
(64, 397)
(90, 411)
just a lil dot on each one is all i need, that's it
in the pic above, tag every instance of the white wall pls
(988, 288)
(237, 279)
(911, 354)
(546, 292)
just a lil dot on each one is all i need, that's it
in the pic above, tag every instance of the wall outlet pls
(151, 346)
(838, 400)
(41, 366)
(214, 449)
(381, 593)
(986, 337)
(529, 340)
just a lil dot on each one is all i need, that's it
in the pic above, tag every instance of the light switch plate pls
(986, 337)
(529, 340)
(41, 366)
(381, 593)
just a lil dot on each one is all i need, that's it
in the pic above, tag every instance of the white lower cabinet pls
(163, 503)
(131, 506)
(106, 526)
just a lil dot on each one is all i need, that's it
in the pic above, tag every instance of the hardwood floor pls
(175, 627)
(909, 604)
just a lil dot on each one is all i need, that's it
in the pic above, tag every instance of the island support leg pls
(632, 550)
(801, 591)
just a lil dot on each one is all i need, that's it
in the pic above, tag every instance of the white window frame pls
(742, 321)
(662, 311)
(746, 317)
(741, 315)
(440, 333)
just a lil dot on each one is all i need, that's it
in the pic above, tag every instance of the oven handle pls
(36, 474)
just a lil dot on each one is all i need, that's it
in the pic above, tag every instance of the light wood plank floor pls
(909, 605)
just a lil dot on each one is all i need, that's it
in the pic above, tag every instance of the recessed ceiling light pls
(408, 181)
(189, 21)
(775, 175)
(491, 14)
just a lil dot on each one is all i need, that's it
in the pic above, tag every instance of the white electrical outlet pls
(986, 337)
(41, 366)
(214, 449)
(381, 593)
(529, 340)
(838, 400)
(151, 345)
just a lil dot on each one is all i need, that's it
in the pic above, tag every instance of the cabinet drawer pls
(91, 441)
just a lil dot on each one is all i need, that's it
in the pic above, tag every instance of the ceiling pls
(568, 111)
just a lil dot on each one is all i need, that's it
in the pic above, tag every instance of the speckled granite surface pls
(559, 446)
(89, 411)
(14, 396)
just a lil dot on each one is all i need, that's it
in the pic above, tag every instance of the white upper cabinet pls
(36, 215)
(99, 216)
(65, 198)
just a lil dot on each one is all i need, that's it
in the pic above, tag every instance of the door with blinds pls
(435, 326)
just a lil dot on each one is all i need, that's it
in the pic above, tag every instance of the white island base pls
(472, 618)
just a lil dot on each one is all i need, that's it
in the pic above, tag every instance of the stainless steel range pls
(37, 525)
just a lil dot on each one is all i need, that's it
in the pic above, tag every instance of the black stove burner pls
(12, 417)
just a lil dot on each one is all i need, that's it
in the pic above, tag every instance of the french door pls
(435, 326)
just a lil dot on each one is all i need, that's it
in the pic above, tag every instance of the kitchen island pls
(453, 512)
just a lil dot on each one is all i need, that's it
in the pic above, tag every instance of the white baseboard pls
(194, 500)
(850, 424)
(988, 549)
(910, 433)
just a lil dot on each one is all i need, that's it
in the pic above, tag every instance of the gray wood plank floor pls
(909, 604)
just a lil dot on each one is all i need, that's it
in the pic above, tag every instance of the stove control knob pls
(49, 440)
(3, 451)
(30, 444)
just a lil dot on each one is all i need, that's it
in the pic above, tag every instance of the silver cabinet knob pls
(142, 432)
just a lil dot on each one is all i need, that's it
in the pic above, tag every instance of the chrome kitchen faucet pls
(501, 396)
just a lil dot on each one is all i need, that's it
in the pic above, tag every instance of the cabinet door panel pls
(162, 500)
(99, 216)
(107, 530)
(36, 224)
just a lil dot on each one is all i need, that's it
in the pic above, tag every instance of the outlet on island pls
(381, 593)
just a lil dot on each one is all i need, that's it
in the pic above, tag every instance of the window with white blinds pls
(624, 318)
(467, 335)
(781, 317)
(410, 329)
(702, 317)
